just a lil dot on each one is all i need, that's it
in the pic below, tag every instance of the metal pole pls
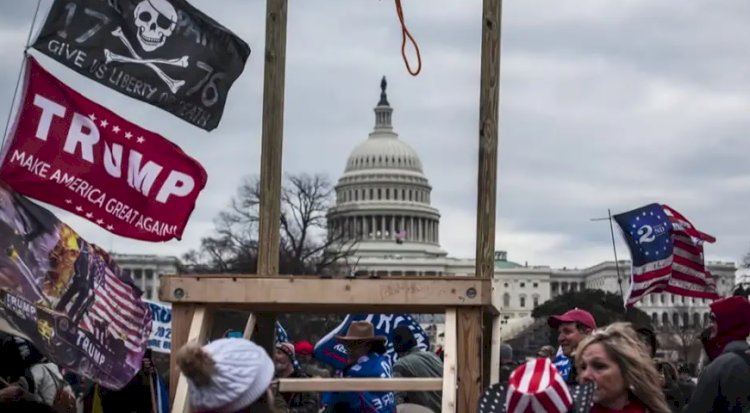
(614, 248)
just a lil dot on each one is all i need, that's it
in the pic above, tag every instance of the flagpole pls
(614, 249)
(20, 72)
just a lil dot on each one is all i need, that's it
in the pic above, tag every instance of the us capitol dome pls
(383, 205)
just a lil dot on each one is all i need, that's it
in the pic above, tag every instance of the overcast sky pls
(603, 105)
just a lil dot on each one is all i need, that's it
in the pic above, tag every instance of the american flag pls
(667, 254)
(118, 306)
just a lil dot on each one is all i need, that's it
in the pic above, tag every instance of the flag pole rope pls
(404, 34)
(20, 71)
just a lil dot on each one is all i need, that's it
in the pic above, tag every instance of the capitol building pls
(383, 212)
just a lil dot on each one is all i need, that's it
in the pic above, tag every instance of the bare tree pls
(681, 336)
(305, 247)
(682, 339)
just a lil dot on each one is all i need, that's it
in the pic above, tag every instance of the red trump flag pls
(77, 155)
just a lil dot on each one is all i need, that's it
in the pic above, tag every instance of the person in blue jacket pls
(366, 359)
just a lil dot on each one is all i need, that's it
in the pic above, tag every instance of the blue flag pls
(333, 353)
(161, 394)
(647, 231)
(562, 363)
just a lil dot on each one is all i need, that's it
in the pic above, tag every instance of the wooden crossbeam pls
(313, 294)
(351, 384)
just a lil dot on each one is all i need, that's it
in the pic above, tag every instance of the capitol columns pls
(365, 228)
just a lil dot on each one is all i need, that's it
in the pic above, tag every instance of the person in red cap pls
(572, 327)
(304, 352)
(724, 385)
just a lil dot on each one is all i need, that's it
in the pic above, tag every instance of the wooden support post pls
(487, 366)
(249, 327)
(200, 325)
(270, 159)
(450, 353)
(182, 316)
(495, 351)
(470, 321)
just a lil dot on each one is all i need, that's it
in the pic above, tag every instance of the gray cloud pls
(602, 106)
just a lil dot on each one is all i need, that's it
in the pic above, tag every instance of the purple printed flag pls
(67, 296)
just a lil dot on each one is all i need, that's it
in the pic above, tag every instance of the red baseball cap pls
(575, 315)
(303, 347)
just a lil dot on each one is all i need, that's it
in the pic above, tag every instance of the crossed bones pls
(173, 84)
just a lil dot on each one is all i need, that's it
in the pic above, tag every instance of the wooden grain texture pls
(271, 156)
(469, 321)
(487, 366)
(322, 295)
(182, 316)
(494, 358)
(359, 384)
(473, 368)
(489, 98)
(450, 354)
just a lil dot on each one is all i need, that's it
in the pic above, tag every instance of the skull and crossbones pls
(155, 21)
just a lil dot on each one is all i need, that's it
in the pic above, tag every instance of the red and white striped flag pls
(117, 305)
(667, 254)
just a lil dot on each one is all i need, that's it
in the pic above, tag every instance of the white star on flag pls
(79, 209)
(89, 215)
(68, 201)
(110, 227)
(116, 129)
(103, 123)
(92, 116)
(140, 139)
(99, 221)
(128, 135)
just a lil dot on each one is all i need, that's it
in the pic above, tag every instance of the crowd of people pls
(613, 368)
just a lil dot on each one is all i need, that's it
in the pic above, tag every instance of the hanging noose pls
(404, 35)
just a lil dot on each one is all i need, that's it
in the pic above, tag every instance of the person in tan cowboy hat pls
(366, 353)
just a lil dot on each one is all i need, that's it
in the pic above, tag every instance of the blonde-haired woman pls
(616, 362)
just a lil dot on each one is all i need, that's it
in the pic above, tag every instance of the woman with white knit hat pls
(229, 375)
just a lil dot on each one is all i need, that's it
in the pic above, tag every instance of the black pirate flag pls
(163, 52)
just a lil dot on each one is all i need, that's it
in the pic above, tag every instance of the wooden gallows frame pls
(466, 301)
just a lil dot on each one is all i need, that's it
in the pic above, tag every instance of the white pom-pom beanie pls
(242, 374)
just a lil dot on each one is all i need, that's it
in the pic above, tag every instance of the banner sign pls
(67, 296)
(160, 339)
(77, 155)
(333, 353)
(163, 52)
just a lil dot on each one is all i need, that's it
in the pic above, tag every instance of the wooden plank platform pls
(336, 295)
(368, 384)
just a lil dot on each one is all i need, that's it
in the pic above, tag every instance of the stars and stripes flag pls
(667, 254)
(117, 305)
